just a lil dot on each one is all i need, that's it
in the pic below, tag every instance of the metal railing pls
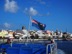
(51, 48)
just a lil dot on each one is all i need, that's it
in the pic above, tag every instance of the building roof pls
(19, 31)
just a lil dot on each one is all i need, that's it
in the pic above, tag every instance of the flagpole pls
(30, 18)
(29, 22)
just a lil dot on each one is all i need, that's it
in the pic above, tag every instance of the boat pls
(34, 46)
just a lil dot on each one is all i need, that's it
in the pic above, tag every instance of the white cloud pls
(34, 12)
(31, 11)
(26, 11)
(11, 6)
(7, 25)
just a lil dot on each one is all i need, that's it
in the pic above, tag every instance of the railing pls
(51, 48)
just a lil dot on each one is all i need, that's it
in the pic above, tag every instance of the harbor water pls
(64, 47)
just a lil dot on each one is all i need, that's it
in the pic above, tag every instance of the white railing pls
(53, 48)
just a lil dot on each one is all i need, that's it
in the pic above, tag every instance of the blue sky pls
(56, 14)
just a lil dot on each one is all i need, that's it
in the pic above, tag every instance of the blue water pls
(65, 46)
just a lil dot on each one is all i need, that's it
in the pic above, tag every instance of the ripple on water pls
(59, 51)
